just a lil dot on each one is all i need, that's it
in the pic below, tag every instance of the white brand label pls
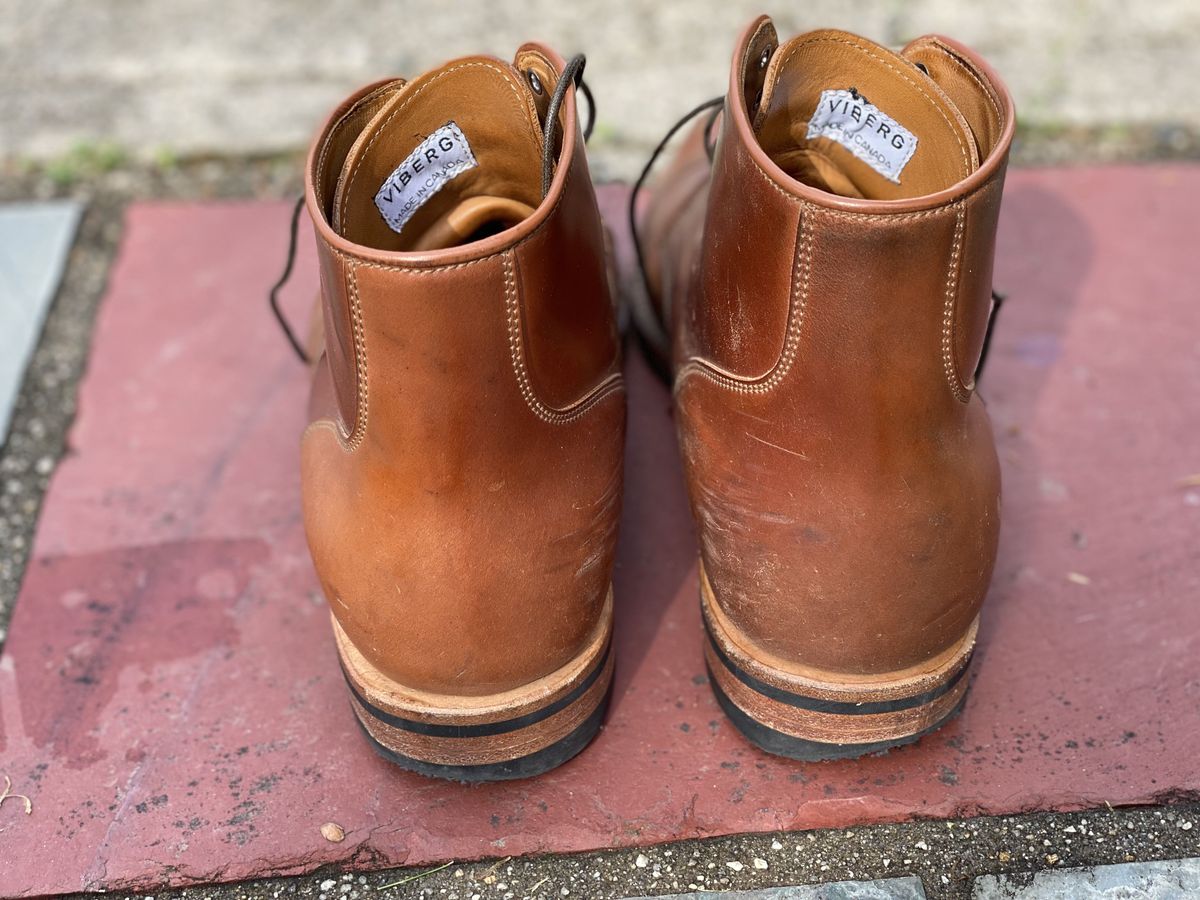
(866, 131)
(441, 157)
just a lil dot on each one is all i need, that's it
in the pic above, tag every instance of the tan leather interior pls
(493, 106)
(342, 135)
(950, 142)
(967, 87)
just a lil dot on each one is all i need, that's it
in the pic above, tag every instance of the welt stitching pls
(868, 52)
(797, 307)
(403, 106)
(546, 413)
(948, 318)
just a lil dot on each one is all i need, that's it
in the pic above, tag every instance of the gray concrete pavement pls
(223, 77)
(34, 241)
(1170, 880)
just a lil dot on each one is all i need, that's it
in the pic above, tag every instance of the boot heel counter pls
(851, 482)
(451, 519)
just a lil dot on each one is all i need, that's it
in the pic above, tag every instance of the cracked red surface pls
(169, 696)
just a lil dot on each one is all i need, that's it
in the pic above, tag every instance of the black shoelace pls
(715, 105)
(572, 74)
(286, 327)
(997, 302)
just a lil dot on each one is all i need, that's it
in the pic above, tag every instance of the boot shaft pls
(827, 319)
(462, 471)
(895, 281)
(459, 306)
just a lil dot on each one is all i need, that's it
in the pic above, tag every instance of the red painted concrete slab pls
(169, 697)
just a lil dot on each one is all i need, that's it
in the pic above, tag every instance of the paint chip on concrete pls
(1167, 880)
(883, 889)
(34, 240)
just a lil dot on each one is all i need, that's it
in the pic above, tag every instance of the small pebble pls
(775, 845)
(735, 865)
(328, 884)
(759, 863)
(921, 845)
(641, 862)
(333, 832)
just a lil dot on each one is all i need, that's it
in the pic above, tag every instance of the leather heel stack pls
(498, 737)
(814, 716)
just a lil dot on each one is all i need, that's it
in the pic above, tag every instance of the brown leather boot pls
(462, 472)
(824, 287)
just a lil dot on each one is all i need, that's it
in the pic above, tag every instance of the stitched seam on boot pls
(568, 414)
(958, 207)
(354, 439)
(797, 306)
(953, 378)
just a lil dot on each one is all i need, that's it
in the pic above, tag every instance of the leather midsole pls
(834, 687)
(377, 692)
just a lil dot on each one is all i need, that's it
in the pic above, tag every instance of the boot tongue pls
(454, 156)
(848, 116)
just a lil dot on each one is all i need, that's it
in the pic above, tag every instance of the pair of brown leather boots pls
(819, 262)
